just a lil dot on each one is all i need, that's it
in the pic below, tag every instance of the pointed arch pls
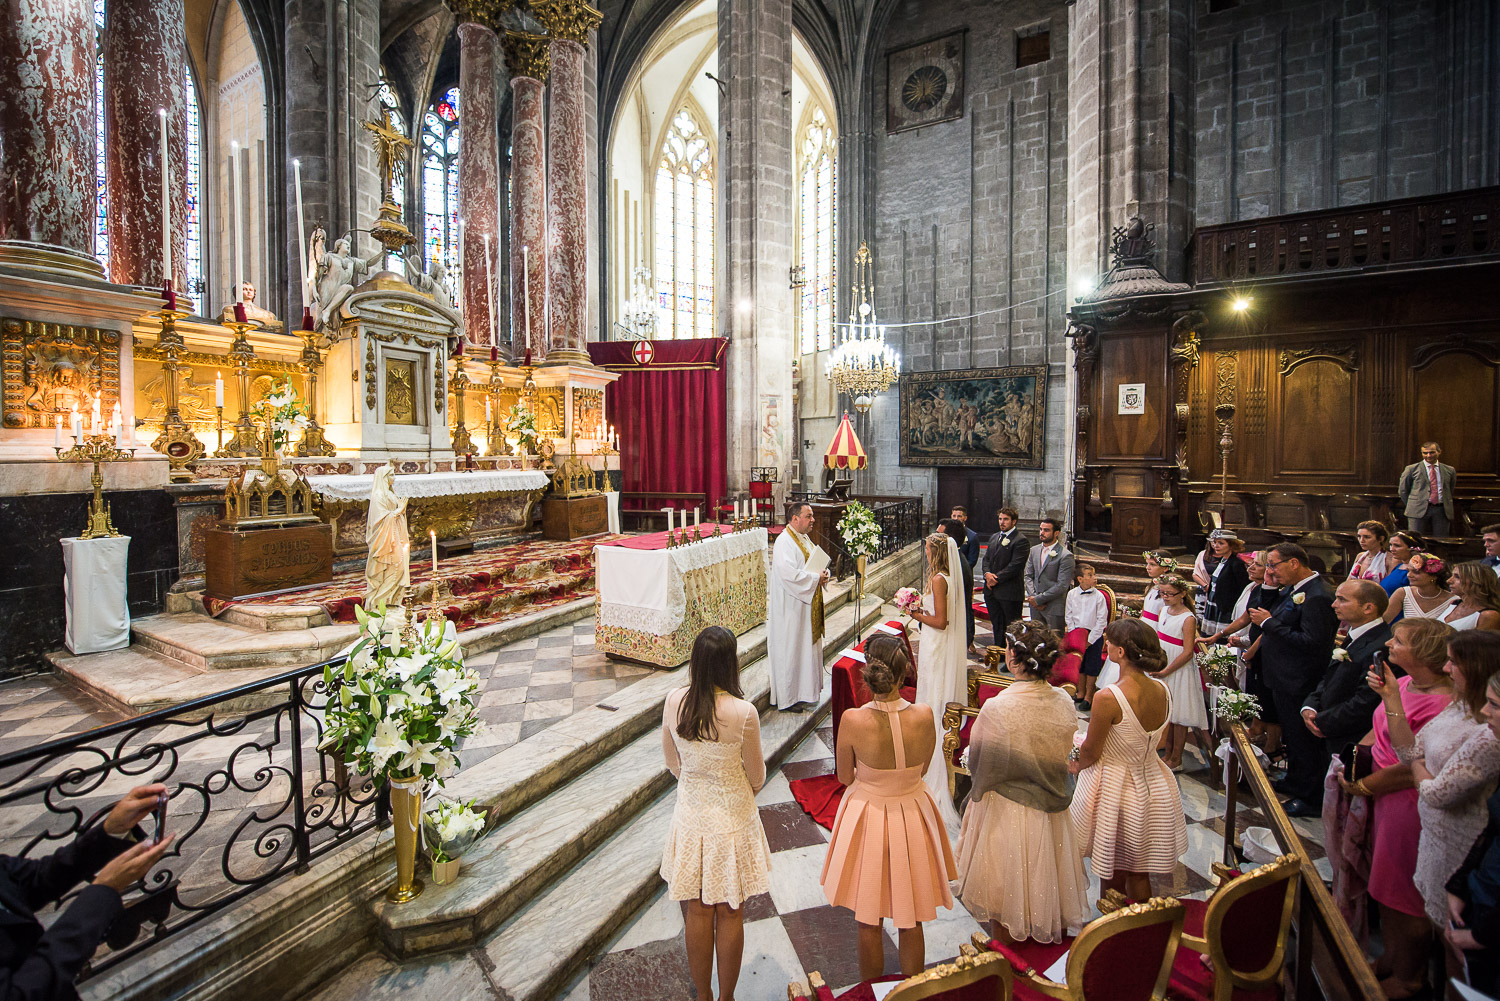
(816, 227)
(684, 211)
(439, 159)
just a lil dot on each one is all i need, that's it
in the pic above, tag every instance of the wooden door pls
(980, 491)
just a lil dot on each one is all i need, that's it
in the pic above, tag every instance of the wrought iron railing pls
(252, 799)
(1431, 229)
(900, 520)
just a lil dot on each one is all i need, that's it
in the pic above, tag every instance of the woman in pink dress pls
(1373, 561)
(1418, 646)
(889, 854)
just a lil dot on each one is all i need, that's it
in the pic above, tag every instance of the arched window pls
(685, 231)
(194, 224)
(440, 180)
(398, 189)
(817, 201)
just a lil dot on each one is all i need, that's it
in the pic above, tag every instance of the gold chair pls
(972, 966)
(1123, 956)
(953, 724)
(1255, 910)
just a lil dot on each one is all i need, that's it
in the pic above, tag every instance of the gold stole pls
(817, 602)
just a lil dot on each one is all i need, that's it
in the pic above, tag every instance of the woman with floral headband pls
(1425, 594)
(1402, 547)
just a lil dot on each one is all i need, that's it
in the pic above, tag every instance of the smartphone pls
(1377, 668)
(160, 817)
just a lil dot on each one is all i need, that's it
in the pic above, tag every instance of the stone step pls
(134, 680)
(206, 644)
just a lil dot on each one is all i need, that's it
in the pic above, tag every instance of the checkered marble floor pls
(792, 930)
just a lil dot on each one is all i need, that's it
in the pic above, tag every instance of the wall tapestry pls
(977, 417)
(924, 83)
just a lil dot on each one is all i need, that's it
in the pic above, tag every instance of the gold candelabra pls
(313, 442)
(98, 449)
(245, 440)
(496, 445)
(176, 441)
(463, 442)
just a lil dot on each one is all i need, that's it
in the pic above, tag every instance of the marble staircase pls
(578, 814)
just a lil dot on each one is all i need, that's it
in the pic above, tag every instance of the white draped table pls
(97, 618)
(349, 487)
(653, 602)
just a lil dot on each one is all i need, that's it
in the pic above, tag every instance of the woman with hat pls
(1227, 579)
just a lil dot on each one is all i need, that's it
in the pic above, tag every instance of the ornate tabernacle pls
(577, 507)
(263, 499)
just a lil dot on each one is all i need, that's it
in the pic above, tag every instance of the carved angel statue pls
(388, 564)
(339, 272)
(433, 283)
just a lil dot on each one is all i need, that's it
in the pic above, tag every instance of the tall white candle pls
(239, 221)
(489, 417)
(95, 425)
(526, 292)
(695, 516)
(218, 389)
(668, 512)
(489, 287)
(433, 533)
(166, 201)
(57, 433)
(301, 236)
(76, 423)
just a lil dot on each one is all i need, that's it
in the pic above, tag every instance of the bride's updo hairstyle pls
(886, 664)
(1035, 646)
(1139, 642)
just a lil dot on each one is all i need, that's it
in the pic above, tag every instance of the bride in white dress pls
(943, 658)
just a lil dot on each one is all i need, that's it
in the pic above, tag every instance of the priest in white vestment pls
(794, 615)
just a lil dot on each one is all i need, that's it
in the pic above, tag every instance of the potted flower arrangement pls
(450, 829)
(398, 707)
(859, 530)
(285, 410)
(521, 423)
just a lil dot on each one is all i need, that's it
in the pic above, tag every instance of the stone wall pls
(971, 217)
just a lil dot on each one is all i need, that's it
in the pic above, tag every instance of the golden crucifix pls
(391, 147)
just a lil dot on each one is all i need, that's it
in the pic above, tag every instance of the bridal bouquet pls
(402, 702)
(285, 410)
(907, 600)
(1218, 663)
(859, 531)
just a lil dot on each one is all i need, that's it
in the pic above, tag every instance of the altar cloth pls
(96, 616)
(348, 487)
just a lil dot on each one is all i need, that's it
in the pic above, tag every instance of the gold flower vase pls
(406, 817)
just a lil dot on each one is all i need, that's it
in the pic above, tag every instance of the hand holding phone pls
(159, 815)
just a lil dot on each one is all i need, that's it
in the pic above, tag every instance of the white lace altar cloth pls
(348, 487)
(641, 589)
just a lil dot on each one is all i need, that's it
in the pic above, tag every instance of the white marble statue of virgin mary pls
(388, 565)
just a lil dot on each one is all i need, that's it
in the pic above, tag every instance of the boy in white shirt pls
(1087, 608)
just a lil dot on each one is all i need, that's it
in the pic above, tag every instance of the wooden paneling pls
(1453, 403)
(1124, 359)
(1319, 415)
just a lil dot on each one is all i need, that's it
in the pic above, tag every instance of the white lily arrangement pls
(402, 701)
(859, 530)
(451, 828)
(1217, 663)
(1234, 706)
(286, 410)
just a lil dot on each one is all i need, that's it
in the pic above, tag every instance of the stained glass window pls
(440, 180)
(398, 189)
(817, 197)
(685, 231)
(194, 277)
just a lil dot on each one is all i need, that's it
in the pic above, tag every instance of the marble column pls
(47, 120)
(479, 175)
(526, 57)
(569, 22)
(144, 53)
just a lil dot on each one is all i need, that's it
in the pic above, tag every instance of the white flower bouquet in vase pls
(1218, 663)
(450, 830)
(860, 531)
(398, 709)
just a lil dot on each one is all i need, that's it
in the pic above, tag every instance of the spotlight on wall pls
(1240, 303)
(745, 305)
(1083, 286)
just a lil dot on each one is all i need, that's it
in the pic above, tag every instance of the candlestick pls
(76, 423)
(57, 433)
(489, 417)
(696, 509)
(526, 295)
(301, 236)
(219, 390)
(166, 201)
(239, 222)
(433, 533)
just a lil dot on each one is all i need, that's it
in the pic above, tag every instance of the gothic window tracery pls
(685, 230)
(440, 138)
(817, 207)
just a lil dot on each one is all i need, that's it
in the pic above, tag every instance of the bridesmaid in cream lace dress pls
(716, 855)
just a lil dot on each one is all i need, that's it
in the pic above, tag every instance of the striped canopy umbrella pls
(845, 451)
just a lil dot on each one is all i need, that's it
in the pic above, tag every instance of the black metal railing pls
(900, 520)
(252, 799)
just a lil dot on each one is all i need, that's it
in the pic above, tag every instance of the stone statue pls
(388, 565)
(339, 271)
(433, 284)
(258, 315)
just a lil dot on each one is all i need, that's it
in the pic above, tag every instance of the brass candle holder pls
(496, 443)
(176, 441)
(442, 595)
(220, 410)
(313, 442)
(98, 449)
(246, 440)
(463, 442)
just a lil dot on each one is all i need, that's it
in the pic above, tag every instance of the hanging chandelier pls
(862, 364)
(638, 315)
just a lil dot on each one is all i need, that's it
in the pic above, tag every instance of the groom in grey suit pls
(1049, 575)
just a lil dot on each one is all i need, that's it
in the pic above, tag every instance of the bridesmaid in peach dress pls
(888, 855)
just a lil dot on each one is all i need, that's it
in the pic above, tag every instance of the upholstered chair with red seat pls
(976, 975)
(1123, 956)
(1234, 943)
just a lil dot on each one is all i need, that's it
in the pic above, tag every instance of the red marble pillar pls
(144, 46)
(479, 176)
(526, 57)
(47, 183)
(569, 23)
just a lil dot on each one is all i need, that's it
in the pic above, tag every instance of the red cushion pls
(1030, 955)
(963, 738)
(983, 990)
(759, 489)
(987, 692)
(1256, 923)
(1065, 670)
(1124, 966)
(981, 610)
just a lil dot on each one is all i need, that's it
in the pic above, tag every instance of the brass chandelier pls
(862, 364)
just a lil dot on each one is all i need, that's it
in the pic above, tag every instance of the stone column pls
(526, 57)
(47, 119)
(144, 62)
(479, 170)
(569, 22)
(756, 306)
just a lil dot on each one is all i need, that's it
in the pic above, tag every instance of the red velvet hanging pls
(670, 414)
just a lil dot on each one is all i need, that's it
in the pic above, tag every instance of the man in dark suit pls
(1296, 644)
(955, 531)
(1339, 710)
(1004, 563)
(1426, 492)
(41, 964)
(969, 546)
(1490, 536)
